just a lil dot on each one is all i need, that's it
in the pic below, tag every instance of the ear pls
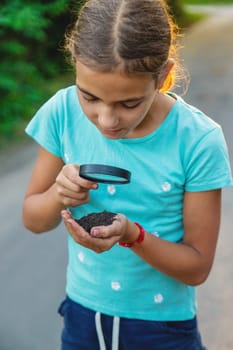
(165, 72)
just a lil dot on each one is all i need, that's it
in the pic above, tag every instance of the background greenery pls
(32, 62)
(31, 35)
(208, 2)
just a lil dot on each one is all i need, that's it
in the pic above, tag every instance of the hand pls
(101, 238)
(73, 190)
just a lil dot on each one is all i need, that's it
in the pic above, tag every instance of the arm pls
(53, 186)
(189, 262)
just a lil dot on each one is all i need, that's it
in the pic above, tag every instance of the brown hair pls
(133, 36)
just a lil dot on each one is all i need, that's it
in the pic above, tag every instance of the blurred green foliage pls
(177, 8)
(181, 16)
(31, 35)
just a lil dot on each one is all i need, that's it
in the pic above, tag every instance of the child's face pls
(118, 105)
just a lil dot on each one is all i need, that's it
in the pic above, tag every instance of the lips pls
(111, 133)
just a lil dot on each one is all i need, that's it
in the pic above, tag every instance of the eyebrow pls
(134, 99)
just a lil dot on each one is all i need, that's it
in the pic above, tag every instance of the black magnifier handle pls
(104, 173)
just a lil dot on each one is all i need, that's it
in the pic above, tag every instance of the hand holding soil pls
(97, 231)
(103, 218)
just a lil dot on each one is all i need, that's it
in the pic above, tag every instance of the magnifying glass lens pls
(104, 173)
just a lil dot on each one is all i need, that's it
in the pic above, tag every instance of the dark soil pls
(103, 218)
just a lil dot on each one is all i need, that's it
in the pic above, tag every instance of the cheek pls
(147, 107)
(87, 108)
(89, 111)
(132, 118)
(142, 112)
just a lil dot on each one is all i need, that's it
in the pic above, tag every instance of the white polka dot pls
(158, 298)
(166, 187)
(155, 234)
(111, 189)
(81, 256)
(115, 285)
(67, 158)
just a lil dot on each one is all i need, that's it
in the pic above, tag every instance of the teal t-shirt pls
(187, 152)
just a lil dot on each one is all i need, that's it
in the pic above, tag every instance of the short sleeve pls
(46, 126)
(208, 167)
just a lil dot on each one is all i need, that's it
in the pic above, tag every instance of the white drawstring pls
(99, 331)
(115, 332)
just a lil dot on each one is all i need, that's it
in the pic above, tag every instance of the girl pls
(139, 293)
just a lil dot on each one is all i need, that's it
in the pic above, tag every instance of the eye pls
(89, 98)
(131, 105)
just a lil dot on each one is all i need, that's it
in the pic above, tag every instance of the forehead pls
(113, 85)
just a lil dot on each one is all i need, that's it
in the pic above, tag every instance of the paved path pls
(208, 55)
(32, 268)
(223, 10)
(33, 279)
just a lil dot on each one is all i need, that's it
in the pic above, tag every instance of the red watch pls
(138, 240)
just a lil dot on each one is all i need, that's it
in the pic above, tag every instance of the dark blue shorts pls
(85, 329)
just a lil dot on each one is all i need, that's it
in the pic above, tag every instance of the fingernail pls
(95, 233)
(68, 221)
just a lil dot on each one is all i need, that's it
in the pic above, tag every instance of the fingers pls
(72, 198)
(71, 188)
(112, 232)
(69, 178)
(101, 238)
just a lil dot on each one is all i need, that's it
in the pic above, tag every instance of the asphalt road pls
(32, 268)
(208, 56)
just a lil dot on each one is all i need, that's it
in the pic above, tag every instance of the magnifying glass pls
(104, 173)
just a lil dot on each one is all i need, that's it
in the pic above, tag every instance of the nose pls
(107, 118)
